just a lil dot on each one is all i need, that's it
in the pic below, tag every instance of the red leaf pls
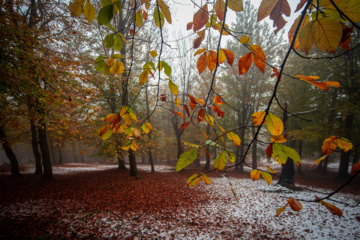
(187, 110)
(163, 97)
(184, 125)
(269, 150)
(201, 115)
(345, 39)
(173, 112)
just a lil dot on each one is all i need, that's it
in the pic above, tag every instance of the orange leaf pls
(193, 102)
(202, 62)
(255, 174)
(217, 100)
(201, 115)
(111, 117)
(199, 39)
(180, 114)
(294, 204)
(258, 117)
(355, 168)
(293, 28)
(212, 60)
(245, 63)
(220, 9)
(216, 109)
(184, 125)
(136, 133)
(329, 145)
(187, 110)
(229, 56)
(332, 208)
(258, 57)
(280, 210)
(199, 100)
(200, 18)
(207, 153)
(104, 130)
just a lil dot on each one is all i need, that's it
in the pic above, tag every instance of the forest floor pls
(93, 201)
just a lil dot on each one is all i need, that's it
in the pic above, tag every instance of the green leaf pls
(274, 124)
(105, 3)
(231, 156)
(99, 58)
(109, 40)
(99, 66)
(212, 143)
(186, 158)
(173, 88)
(117, 56)
(283, 152)
(106, 14)
(111, 27)
(118, 5)
(118, 43)
(220, 161)
(107, 135)
(148, 65)
(159, 18)
(167, 68)
(139, 18)
(105, 69)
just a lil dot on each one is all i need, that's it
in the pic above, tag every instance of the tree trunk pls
(9, 153)
(343, 171)
(132, 162)
(52, 150)
(242, 151)
(35, 148)
(207, 164)
(121, 161)
(324, 167)
(151, 160)
(44, 148)
(288, 171)
(320, 166)
(60, 156)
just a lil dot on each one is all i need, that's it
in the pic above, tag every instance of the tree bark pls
(44, 148)
(121, 161)
(9, 153)
(35, 148)
(132, 162)
(151, 160)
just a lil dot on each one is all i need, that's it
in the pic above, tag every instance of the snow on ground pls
(250, 216)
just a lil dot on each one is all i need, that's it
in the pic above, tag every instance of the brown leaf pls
(189, 25)
(220, 9)
(187, 110)
(245, 63)
(202, 62)
(332, 208)
(199, 39)
(163, 97)
(269, 150)
(200, 18)
(212, 60)
(300, 5)
(345, 39)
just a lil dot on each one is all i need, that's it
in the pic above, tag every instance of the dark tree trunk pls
(300, 153)
(324, 167)
(74, 152)
(242, 151)
(60, 156)
(52, 150)
(9, 153)
(44, 148)
(288, 171)
(320, 166)
(121, 161)
(343, 171)
(35, 148)
(132, 162)
(151, 160)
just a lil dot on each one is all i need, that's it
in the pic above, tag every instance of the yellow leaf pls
(278, 139)
(223, 130)
(319, 160)
(222, 56)
(199, 100)
(220, 161)
(159, 18)
(134, 147)
(328, 33)
(235, 138)
(280, 210)
(191, 180)
(267, 177)
(165, 9)
(121, 68)
(127, 119)
(114, 68)
(274, 124)
(235, 5)
(255, 174)
(199, 51)
(153, 53)
(149, 126)
(177, 102)
(143, 78)
(344, 144)
(173, 88)
(206, 179)
(245, 39)
(270, 169)
(89, 11)
(110, 117)
(145, 128)
(204, 134)
(209, 119)
(293, 28)
(307, 37)
(329, 145)
(258, 117)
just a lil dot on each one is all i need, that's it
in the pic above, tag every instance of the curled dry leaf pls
(294, 204)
